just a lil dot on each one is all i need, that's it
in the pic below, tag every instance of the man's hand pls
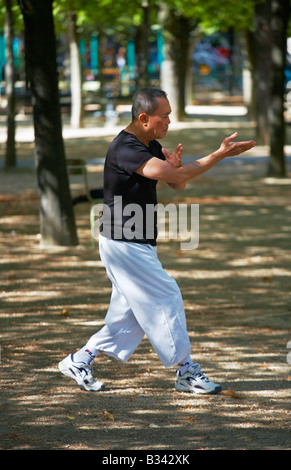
(229, 148)
(175, 159)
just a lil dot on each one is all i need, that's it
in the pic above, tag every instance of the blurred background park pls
(200, 52)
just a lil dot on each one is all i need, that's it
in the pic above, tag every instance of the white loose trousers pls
(145, 300)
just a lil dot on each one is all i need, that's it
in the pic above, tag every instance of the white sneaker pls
(194, 381)
(82, 373)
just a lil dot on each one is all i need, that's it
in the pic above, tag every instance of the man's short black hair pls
(144, 101)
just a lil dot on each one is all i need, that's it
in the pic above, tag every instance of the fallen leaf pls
(70, 417)
(230, 393)
(108, 415)
(65, 312)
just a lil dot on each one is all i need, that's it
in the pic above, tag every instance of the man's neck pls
(134, 129)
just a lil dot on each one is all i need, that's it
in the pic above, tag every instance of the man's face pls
(158, 123)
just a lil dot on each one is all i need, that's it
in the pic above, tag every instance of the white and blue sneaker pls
(82, 373)
(194, 381)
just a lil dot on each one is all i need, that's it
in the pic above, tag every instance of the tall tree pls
(181, 17)
(269, 53)
(122, 16)
(143, 78)
(177, 29)
(57, 223)
(259, 40)
(10, 155)
(280, 12)
(77, 105)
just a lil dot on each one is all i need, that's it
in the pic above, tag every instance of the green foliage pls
(100, 14)
(17, 16)
(214, 15)
(123, 15)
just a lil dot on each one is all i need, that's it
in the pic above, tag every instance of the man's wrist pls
(219, 154)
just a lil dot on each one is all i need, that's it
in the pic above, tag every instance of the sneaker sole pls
(201, 391)
(100, 389)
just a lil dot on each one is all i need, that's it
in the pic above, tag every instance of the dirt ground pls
(236, 287)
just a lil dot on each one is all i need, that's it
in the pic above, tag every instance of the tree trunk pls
(189, 72)
(57, 223)
(279, 21)
(10, 155)
(168, 79)
(177, 58)
(182, 28)
(142, 45)
(259, 47)
(144, 79)
(77, 113)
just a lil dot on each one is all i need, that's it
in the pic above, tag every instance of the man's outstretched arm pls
(177, 176)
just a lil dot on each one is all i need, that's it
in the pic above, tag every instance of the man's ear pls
(143, 118)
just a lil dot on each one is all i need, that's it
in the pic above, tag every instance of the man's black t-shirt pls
(129, 198)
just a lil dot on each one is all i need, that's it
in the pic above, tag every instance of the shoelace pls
(195, 369)
(85, 371)
(201, 376)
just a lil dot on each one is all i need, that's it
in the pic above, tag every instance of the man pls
(144, 300)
